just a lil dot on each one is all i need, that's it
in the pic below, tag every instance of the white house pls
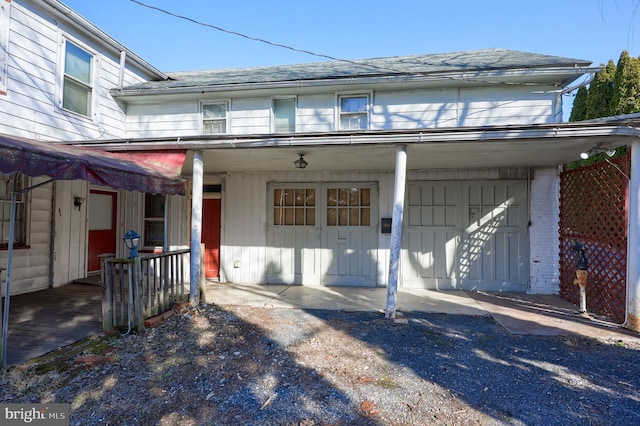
(480, 130)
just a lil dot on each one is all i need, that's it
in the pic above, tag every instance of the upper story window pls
(20, 230)
(353, 112)
(77, 90)
(284, 115)
(214, 118)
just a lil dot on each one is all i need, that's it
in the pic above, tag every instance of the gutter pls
(73, 19)
(435, 136)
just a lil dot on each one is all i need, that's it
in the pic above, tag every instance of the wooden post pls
(107, 293)
(396, 230)
(138, 310)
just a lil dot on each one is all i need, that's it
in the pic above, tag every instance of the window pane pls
(365, 196)
(332, 197)
(6, 187)
(300, 197)
(284, 115)
(343, 196)
(288, 216)
(77, 63)
(343, 217)
(353, 122)
(288, 197)
(278, 216)
(76, 97)
(154, 233)
(299, 216)
(354, 217)
(365, 217)
(214, 111)
(311, 197)
(354, 197)
(214, 126)
(278, 198)
(311, 217)
(353, 104)
(332, 216)
(154, 206)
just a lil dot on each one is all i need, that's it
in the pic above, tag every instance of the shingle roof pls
(432, 64)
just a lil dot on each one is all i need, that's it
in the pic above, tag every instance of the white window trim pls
(339, 95)
(95, 78)
(272, 124)
(227, 102)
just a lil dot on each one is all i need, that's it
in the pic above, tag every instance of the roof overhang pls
(148, 171)
(440, 148)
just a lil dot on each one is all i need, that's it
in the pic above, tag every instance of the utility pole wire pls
(260, 40)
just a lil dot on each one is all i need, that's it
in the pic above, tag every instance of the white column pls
(396, 229)
(633, 254)
(196, 227)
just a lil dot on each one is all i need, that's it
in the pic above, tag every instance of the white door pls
(431, 234)
(494, 255)
(466, 235)
(349, 234)
(322, 234)
(293, 234)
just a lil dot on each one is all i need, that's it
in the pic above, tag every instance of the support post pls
(137, 296)
(633, 254)
(196, 227)
(106, 278)
(396, 230)
(203, 281)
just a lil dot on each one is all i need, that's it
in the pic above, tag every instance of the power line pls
(261, 40)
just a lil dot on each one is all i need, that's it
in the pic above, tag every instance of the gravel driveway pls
(247, 365)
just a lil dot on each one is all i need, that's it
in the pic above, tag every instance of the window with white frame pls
(294, 206)
(353, 112)
(154, 220)
(214, 118)
(77, 89)
(349, 206)
(20, 230)
(284, 115)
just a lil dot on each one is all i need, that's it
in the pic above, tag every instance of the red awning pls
(149, 172)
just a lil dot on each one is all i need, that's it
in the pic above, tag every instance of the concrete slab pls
(342, 298)
(544, 315)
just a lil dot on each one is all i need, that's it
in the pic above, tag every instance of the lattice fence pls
(593, 211)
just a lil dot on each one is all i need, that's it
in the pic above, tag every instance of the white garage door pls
(466, 235)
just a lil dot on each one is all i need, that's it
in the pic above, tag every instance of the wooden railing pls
(134, 289)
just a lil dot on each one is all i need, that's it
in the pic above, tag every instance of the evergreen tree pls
(626, 99)
(579, 109)
(601, 93)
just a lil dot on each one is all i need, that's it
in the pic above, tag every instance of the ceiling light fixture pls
(300, 162)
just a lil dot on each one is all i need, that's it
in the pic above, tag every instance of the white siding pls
(30, 267)
(544, 240)
(244, 221)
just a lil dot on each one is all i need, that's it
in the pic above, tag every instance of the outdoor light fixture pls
(131, 240)
(77, 202)
(597, 149)
(300, 163)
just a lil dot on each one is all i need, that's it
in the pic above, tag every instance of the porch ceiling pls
(534, 152)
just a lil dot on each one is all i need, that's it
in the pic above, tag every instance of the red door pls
(211, 237)
(102, 227)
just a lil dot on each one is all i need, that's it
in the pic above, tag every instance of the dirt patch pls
(244, 365)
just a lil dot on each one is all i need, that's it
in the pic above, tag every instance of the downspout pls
(123, 59)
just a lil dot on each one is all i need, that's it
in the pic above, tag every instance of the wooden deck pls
(45, 320)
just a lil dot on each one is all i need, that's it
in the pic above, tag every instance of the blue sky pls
(595, 30)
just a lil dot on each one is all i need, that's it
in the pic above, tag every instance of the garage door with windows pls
(322, 234)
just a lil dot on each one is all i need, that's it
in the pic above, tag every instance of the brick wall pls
(543, 235)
